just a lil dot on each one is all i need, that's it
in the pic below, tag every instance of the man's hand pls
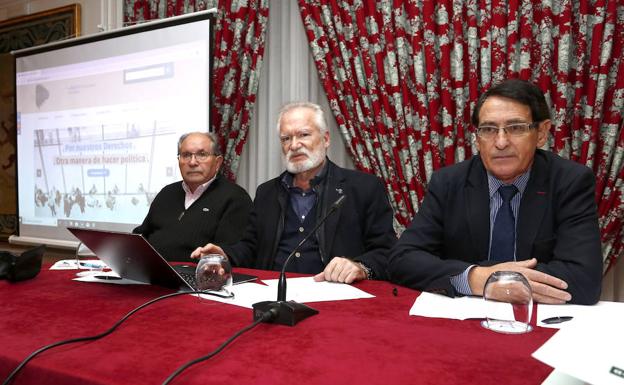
(341, 269)
(210, 248)
(546, 288)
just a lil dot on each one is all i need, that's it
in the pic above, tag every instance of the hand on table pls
(210, 248)
(341, 269)
(545, 287)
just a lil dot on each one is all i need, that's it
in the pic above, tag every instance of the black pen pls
(557, 320)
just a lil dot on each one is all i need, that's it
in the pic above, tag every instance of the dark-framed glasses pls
(487, 131)
(200, 156)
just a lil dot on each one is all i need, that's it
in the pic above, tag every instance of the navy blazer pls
(557, 224)
(361, 229)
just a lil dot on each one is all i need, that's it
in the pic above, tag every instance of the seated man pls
(203, 207)
(512, 207)
(351, 245)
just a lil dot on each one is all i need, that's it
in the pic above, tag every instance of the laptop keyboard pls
(189, 278)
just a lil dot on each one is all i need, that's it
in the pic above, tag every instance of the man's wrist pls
(367, 270)
(476, 279)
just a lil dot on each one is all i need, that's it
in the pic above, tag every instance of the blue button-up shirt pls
(300, 200)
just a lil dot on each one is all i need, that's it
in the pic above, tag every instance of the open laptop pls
(132, 257)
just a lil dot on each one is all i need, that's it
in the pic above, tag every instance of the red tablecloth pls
(365, 341)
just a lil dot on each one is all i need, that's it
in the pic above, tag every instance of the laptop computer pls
(132, 257)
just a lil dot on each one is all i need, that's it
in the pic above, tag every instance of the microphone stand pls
(290, 312)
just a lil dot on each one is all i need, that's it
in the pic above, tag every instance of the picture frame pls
(15, 34)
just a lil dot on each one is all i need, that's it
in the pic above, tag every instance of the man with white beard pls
(354, 241)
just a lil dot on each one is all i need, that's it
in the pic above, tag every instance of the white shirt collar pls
(191, 197)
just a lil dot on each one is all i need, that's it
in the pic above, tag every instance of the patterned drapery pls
(402, 78)
(239, 46)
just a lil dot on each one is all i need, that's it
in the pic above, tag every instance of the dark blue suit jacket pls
(557, 224)
(361, 229)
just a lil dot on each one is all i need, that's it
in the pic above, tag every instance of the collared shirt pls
(496, 201)
(302, 205)
(460, 281)
(300, 200)
(191, 197)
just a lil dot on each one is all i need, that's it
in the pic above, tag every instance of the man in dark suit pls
(351, 245)
(203, 207)
(458, 237)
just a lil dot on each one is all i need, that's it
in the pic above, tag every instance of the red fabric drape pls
(239, 46)
(402, 78)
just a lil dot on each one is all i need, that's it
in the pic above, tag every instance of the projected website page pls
(97, 140)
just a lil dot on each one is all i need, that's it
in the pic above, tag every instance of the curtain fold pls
(288, 74)
(238, 50)
(402, 78)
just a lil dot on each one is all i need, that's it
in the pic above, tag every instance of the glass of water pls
(214, 275)
(509, 303)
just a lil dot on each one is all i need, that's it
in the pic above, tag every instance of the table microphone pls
(290, 312)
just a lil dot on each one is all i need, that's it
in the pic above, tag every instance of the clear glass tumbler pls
(509, 303)
(214, 274)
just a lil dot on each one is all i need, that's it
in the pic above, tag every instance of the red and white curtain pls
(402, 78)
(239, 46)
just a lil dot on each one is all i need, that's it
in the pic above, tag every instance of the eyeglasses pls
(200, 156)
(514, 129)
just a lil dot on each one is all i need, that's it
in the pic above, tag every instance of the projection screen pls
(98, 120)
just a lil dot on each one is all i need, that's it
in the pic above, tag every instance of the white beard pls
(315, 158)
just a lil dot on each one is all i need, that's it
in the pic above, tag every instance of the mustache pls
(291, 154)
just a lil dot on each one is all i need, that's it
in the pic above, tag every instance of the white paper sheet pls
(302, 290)
(589, 349)
(107, 277)
(72, 264)
(461, 308)
(578, 312)
(557, 377)
(305, 289)
(246, 294)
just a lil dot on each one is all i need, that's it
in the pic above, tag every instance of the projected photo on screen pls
(98, 123)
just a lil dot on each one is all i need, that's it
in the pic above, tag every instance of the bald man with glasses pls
(511, 207)
(203, 207)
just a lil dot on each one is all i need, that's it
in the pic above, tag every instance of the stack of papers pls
(577, 312)
(73, 264)
(588, 349)
(461, 308)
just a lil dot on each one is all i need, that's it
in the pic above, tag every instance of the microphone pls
(290, 312)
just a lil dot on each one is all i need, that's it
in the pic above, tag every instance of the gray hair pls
(210, 135)
(319, 116)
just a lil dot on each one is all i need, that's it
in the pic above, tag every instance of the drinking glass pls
(214, 275)
(509, 303)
